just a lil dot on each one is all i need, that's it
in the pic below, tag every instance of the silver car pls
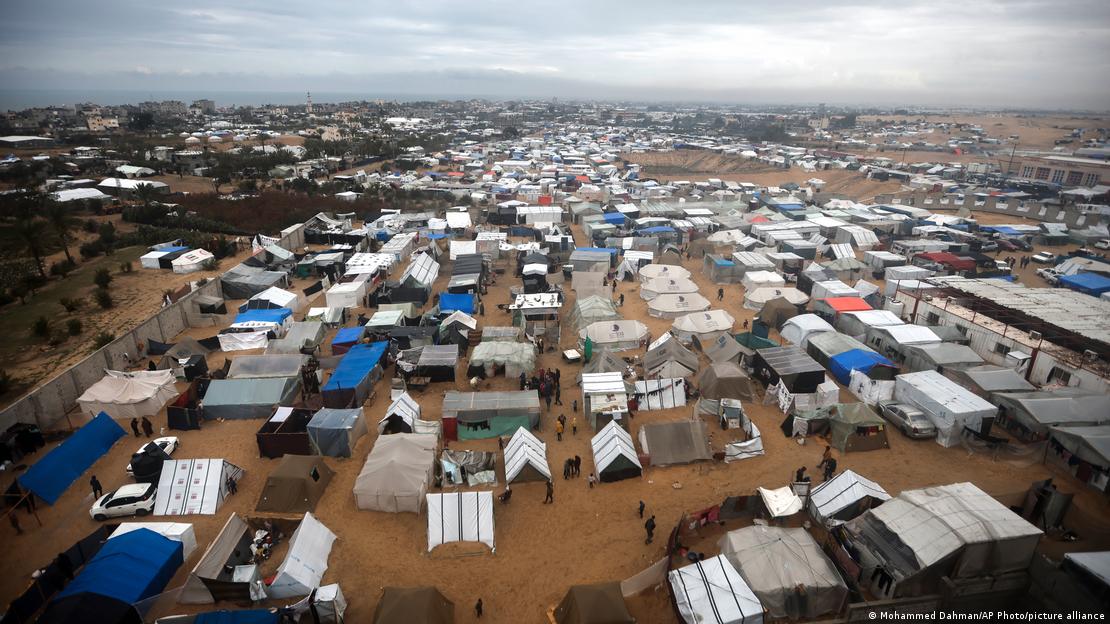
(910, 420)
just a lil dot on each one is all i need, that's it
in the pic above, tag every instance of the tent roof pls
(460, 517)
(602, 603)
(130, 568)
(832, 496)
(525, 449)
(414, 605)
(398, 465)
(49, 477)
(712, 590)
(125, 388)
(676, 442)
(611, 443)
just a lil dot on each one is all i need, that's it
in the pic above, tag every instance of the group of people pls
(572, 467)
(1022, 262)
(561, 426)
(546, 381)
(148, 427)
(828, 464)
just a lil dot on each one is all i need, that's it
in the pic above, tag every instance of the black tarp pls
(90, 608)
(801, 373)
(146, 465)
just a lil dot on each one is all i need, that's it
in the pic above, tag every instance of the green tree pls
(63, 223)
(146, 194)
(102, 278)
(30, 230)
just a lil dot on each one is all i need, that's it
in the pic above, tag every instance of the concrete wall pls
(1030, 209)
(48, 403)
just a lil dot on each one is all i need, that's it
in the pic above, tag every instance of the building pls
(1063, 170)
(206, 107)
(15, 141)
(98, 123)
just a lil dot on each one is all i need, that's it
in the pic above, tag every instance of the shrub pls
(126, 267)
(90, 226)
(41, 327)
(56, 338)
(103, 298)
(91, 249)
(6, 381)
(70, 305)
(107, 234)
(210, 264)
(102, 278)
(73, 326)
(62, 268)
(103, 339)
(19, 291)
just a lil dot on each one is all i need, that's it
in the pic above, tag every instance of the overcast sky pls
(1032, 53)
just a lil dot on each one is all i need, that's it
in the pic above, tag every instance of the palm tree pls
(63, 223)
(146, 194)
(30, 230)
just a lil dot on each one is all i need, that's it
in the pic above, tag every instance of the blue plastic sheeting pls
(841, 365)
(356, 365)
(247, 616)
(348, 335)
(264, 316)
(614, 218)
(1001, 229)
(608, 250)
(51, 475)
(129, 568)
(1090, 283)
(174, 249)
(722, 262)
(659, 229)
(449, 302)
(433, 236)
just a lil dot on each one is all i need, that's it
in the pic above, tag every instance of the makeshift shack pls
(233, 399)
(482, 415)
(334, 432)
(128, 395)
(799, 373)
(353, 378)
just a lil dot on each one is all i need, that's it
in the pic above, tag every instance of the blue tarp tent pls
(246, 616)
(128, 568)
(264, 316)
(614, 218)
(449, 303)
(841, 365)
(345, 338)
(1092, 284)
(658, 229)
(350, 384)
(51, 475)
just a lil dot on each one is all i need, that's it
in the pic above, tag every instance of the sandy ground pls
(1033, 132)
(588, 535)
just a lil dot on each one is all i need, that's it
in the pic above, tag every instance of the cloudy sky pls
(1024, 53)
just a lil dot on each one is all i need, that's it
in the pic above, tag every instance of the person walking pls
(620, 300)
(148, 427)
(649, 527)
(577, 466)
(558, 395)
(642, 506)
(568, 466)
(135, 426)
(550, 498)
(523, 381)
(591, 479)
(478, 609)
(827, 455)
(547, 398)
(559, 430)
(574, 406)
(800, 475)
(574, 425)
(720, 294)
(830, 468)
(558, 375)
(97, 489)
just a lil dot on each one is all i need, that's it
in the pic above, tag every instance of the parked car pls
(1102, 243)
(1044, 257)
(168, 445)
(1007, 245)
(908, 419)
(136, 499)
(1022, 244)
(988, 246)
(1050, 275)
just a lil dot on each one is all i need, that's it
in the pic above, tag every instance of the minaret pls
(308, 104)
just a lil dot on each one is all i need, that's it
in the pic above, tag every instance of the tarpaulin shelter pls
(757, 298)
(762, 279)
(449, 303)
(799, 373)
(590, 261)
(49, 477)
(127, 395)
(711, 590)
(438, 362)
(146, 465)
(722, 348)
(675, 442)
(988, 379)
(660, 394)
(514, 358)
(403, 416)
(721, 270)
(193, 486)
(306, 561)
(602, 603)
(725, 380)
(185, 358)
(460, 517)
(481, 415)
(126, 570)
(780, 502)
(526, 458)
(286, 431)
(668, 358)
(334, 432)
(797, 330)
(614, 335)
(346, 338)
(603, 361)
(1036, 412)
(787, 571)
(939, 356)
(589, 284)
(592, 309)
(844, 497)
(243, 281)
(273, 299)
(674, 306)
(864, 360)
(702, 326)
(296, 485)
(856, 427)
(615, 454)
(177, 531)
(259, 366)
(397, 473)
(956, 530)
(856, 324)
(225, 570)
(301, 337)
(822, 346)
(354, 376)
(232, 399)
(414, 605)
(949, 406)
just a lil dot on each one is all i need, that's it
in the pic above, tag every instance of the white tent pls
(397, 473)
(176, 531)
(129, 395)
(702, 325)
(660, 394)
(781, 501)
(674, 306)
(712, 591)
(755, 299)
(422, 271)
(306, 561)
(664, 271)
(762, 279)
(244, 341)
(242, 583)
(798, 329)
(840, 494)
(615, 335)
(752, 447)
(615, 454)
(460, 517)
(280, 298)
(526, 458)
(404, 413)
(150, 260)
(652, 288)
(191, 261)
(193, 486)
(346, 294)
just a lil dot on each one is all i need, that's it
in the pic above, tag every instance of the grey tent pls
(777, 311)
(676, 442)
(1037, 411)
(334, 432)
(300, 337)
(592, 309)
(248, 398)
(670, 359)
(296, 485)
(987, 379)
(940, 356)
(856, 427)
(786, 570)
(725, 380)
(603, 361)
(414, 605)
(244, 282)
(226, 570)
(844, 497)
(615, 454)
(260, 366)
(593, 604)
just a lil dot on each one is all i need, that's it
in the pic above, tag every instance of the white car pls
(168, 445)
(1102, 243)
(1050, 275)
(1043, 257)
(136, 499)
